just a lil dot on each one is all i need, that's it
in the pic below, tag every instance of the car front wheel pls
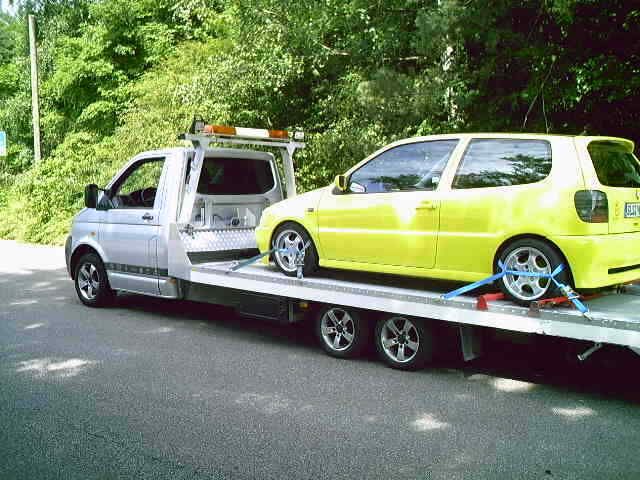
(294, 246)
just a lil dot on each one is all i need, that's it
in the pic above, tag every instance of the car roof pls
(511, 135)
(508, 135)
(498, 135)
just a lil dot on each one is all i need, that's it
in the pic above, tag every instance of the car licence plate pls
(632, 210)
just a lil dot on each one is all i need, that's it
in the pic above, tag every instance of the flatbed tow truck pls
(175, 252)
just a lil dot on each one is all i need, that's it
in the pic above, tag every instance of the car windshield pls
(615, 165)
(235, 176)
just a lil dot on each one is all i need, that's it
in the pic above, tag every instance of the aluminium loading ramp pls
(614, 318)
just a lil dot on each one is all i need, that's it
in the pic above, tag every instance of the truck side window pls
(235, 176)
(137, 187)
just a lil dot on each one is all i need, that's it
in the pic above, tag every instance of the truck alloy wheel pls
(91, 282)
(342, 332)
(404, 343)
(88, 281)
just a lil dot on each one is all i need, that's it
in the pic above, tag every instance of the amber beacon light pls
(225, 130)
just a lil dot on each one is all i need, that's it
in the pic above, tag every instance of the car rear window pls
(492, 162)
(235, 176)
(614, 164)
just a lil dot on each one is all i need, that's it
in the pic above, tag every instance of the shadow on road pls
(534, 360)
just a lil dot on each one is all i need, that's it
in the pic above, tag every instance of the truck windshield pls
(235, 176)
(615, 165)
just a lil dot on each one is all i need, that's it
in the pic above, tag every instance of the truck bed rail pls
(615, 317)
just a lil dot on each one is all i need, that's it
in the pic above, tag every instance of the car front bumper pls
(263, 237)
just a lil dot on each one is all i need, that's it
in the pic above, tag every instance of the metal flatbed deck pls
(615, 318)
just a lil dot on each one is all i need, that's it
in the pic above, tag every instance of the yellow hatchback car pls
(451, 206)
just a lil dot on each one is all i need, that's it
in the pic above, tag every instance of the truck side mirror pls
(91, 195)
(341, 182)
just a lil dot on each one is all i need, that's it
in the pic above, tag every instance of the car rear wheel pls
(91, 282)
(404, 343)
(290, 239)
(533, 256)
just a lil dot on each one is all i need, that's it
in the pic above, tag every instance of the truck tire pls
(294, 237)
(92, 283)
(342, 332)
(404, 343)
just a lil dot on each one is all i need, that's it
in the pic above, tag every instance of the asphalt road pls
(177, 390)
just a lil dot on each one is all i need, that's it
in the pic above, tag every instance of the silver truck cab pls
(120, 241)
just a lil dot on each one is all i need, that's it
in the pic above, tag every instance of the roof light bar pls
(251, 132)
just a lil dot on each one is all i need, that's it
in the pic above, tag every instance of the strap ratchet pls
(566, 290)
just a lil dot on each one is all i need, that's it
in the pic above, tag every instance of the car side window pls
(413, 166)
(492, 162)
(137, 188)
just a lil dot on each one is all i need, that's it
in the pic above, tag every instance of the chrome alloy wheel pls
(400, 339)
(527, 259)
(88, 281)
(292, 243)
(338, 329)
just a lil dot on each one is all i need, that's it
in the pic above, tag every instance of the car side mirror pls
(341, 183)
(91, 195)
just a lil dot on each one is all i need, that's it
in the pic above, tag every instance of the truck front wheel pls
(92, 284)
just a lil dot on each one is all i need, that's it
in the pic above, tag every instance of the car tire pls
(531, 254)
(293, 236)
(342, 332)
(404, 343)
(91, 282)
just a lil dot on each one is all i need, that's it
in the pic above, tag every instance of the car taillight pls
(592, 206)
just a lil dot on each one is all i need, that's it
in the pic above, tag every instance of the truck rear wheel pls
(91, 282)
(404, 343)
(342, 332)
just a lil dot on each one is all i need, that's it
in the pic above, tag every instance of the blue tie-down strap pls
(299, 256)
(249, 261)
(566, 290)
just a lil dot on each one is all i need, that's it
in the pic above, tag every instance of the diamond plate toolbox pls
(216, 240)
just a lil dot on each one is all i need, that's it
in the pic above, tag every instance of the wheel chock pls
(482, 301)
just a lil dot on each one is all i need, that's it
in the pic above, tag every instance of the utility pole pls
(35, 103)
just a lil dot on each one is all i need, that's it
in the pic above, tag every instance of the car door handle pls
(147, 216)
(428, 205)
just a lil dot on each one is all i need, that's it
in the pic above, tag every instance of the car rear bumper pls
(602, 260)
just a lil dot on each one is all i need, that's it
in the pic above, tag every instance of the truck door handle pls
(147, 216)
(428, 205)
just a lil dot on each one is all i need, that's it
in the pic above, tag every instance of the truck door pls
(129, 234)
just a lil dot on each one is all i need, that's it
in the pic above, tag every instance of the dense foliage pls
(121, 76)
